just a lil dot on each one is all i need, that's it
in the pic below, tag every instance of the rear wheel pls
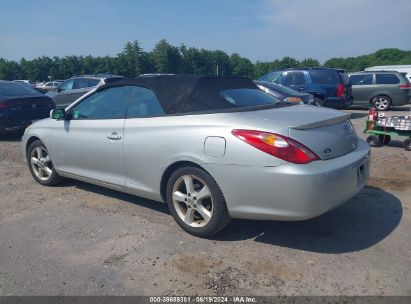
(373, 141)
(407, 144)
(382, 102)
(196, 202)
(40, 164)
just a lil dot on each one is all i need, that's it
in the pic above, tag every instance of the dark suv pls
(383, 89)
(73, 88)
(330, 87)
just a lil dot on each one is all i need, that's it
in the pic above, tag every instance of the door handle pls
(114, 136)
(302, 88)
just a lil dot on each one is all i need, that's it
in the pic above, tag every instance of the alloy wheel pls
(381, 103)
(41, 163)
(192, 201)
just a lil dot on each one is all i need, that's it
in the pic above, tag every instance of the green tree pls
(130, 60)
(166, 58)
(10, 70)
(309, 62)
(241, 66)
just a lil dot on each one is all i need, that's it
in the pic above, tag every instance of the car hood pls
(43, 123)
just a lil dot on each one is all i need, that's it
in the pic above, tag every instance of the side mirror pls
(58, 114)
(58, 89)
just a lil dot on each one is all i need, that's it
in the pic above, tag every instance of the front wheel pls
(40, 164)
(196, 202)
(407, 144)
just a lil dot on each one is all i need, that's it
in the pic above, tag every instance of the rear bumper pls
(9, 123)
(14, 126)
(290, 191)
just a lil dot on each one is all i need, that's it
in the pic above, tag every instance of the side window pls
(92, 82)
(80, 83)
(363, 79)
(107, 104)
(143, 103)
(387, 79)
(67, 85)
(294, 78)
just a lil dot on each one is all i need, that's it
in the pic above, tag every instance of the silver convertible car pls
(212, 148)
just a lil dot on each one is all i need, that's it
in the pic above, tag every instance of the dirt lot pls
(82, 239)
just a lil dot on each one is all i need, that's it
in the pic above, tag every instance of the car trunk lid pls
(328, 133)
(22, 110)
(29, 105)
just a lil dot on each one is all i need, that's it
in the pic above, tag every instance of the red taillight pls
(340, 90)
(277, 145)
(405, 86)
(4, 106)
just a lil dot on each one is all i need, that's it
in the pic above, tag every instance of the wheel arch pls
(30, 141)
(381, 93)
(172, 168)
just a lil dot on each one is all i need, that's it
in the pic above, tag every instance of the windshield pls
(248, 97)
(274, 77)
(279, 88)
(16, 89)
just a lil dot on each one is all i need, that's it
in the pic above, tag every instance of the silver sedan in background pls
(212, 148)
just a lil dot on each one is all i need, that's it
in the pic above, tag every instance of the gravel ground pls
(82, 239)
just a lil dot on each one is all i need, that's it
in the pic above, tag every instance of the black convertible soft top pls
(187, 93)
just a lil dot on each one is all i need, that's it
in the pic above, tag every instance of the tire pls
(373, 141)
(40, 164)
(407, 144)
(382, 102)
(318, 102)
(201, 211)
(384, 139)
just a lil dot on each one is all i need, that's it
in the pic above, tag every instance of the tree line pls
(166, 58)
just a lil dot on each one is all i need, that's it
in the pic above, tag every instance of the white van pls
(397, 68)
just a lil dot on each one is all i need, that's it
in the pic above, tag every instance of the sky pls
(257, 29)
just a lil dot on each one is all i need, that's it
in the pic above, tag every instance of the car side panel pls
(151, 145)
(82, 148)
(363, 93)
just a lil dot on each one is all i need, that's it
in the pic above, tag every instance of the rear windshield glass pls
(16, 89)
(387, 79)
(272, 77)
(324, 76)
(248, 97)
(279, 88)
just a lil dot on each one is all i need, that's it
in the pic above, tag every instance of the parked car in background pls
(330, 87)
(48, 86)
(26, 82)
(75, 87)
(20, 105)
(398, 68)
(286, 94)
(381, 89)
(196, 142)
